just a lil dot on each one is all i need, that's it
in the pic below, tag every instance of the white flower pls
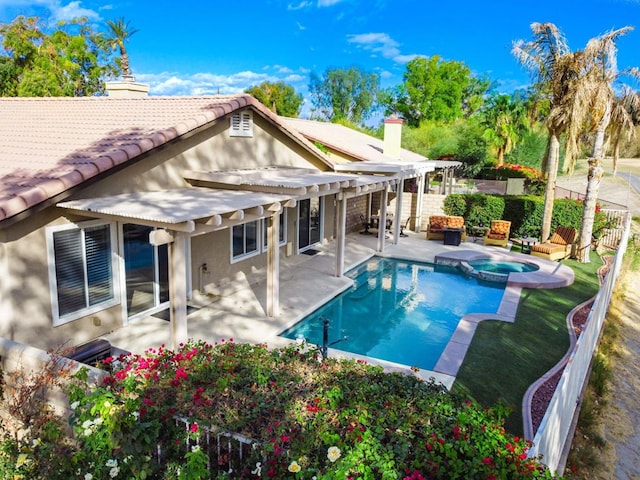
(98, 421)
(107, 403)
(258, 469)
(75, 405)
(88, 476)
(35, 442)
(195, 448)
(87, 423)
(135, 415)
(111, 463)
(294, 467)
(113, 473)
(333, 454)
(87, 432)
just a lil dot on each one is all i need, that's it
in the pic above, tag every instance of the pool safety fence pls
(553, 438)
(225, 451)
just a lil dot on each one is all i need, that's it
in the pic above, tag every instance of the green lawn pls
(504, 358)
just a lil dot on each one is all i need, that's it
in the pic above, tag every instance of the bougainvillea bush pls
(306, 417)
(179, 415)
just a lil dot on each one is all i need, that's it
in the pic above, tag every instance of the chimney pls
(392, 137)
(126, 88)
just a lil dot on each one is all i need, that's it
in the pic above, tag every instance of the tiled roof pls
(50, 145)
(356, 144)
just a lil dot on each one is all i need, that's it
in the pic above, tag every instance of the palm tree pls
(503, 118)
(120, 32)
(557, 74)
(600, 74)
(626, 109)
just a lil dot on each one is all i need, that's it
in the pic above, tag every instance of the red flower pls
(194, 428)
(487, 460)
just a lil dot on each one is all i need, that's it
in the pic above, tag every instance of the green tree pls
(504, 121)
(119, 34)
(472, 149)
(281, 98)
(341, 94)
(475, 93)
(70, 61)
(558, 75)
(434, 89)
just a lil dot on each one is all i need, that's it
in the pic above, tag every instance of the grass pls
(504, 359)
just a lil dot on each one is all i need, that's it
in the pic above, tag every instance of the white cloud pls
(57, 9)
(299, 6)
(327, 3)
(206, 83)
(376, 42)
(72, 10)
(300, 26)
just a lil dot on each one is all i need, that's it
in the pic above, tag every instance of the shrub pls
(455, 204)
(310, 417)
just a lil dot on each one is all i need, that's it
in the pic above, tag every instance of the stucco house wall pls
(25, 297)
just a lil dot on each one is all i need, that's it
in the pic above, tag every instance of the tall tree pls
(281, 98)
(624, 117)
(69, 61)
(341, 94)
(119, 34)
(504, 119)
(601, 73)
(557, 74)
(434, 89)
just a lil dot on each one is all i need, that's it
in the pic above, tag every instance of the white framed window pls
(241, 124)
(282, 239)
(82, 266)
(244, 240)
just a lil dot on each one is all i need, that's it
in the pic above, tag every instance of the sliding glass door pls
(309, 223)
(146, 271)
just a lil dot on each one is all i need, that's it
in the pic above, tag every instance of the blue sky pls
(211, 46)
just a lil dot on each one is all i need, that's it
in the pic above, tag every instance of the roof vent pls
(241, 124)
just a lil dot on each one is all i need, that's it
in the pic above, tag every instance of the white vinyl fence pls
(556, 430)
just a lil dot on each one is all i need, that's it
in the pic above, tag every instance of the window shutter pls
(241, 124)
(98, 255)
(83, 268)
(69, 271)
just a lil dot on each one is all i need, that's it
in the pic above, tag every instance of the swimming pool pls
(399, 311)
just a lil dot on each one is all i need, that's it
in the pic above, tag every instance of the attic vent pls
(241, 124)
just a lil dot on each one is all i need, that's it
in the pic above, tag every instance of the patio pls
(309, 281)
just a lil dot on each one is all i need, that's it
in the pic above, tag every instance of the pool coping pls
(550, 274)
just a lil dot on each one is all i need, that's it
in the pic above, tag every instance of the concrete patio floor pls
(309, 281)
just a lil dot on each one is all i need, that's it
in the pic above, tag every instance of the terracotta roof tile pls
(49, 145)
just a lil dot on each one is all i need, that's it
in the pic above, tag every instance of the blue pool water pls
(399, 311)
(503, 266)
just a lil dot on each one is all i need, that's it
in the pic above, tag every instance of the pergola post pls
(178, 288)
(273, 265)
(398, 213)
(382, 219)
(419, 200)
(341, 215)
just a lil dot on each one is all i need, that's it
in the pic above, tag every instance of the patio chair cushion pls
(548, 248)
(563, 236)
(455, 222)
(437, 222)
(499, 229)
